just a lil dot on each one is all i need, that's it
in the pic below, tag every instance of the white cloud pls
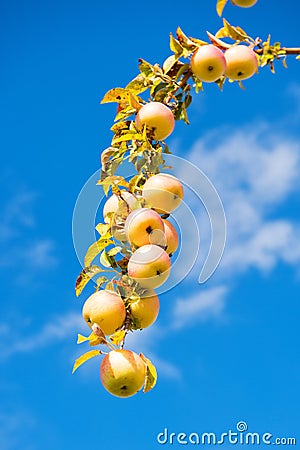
(20, 247)
(203, 305)
(14, 341)
(255, 171)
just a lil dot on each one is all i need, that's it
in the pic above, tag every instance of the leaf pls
(114, 251)
(100, 281)
(92, 338)
(95, 249)
(169, 63)
(122, 96)
(85, 276)
(117, 337)
(103, 228)
(110, 180)
(128, 137)
(151, 374)
(138, 85)
(146, 68)
(220, 6)
(175, 46)
(217, 42)
(235, 33)
(125, 113)
(185, 42)
(85, 357)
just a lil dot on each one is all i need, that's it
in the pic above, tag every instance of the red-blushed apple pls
(244, 3)
(144, 226)
(158, 118)
(150, 266)
(172, 239)
(241, 62)
(163, 192)
(144, 311)
(106, 309)
(208, 63)
(122, 373)
(112, 204)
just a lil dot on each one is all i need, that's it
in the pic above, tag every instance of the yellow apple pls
(244, 3)
(145, 310)
(144, 226)
(171, 235)
(150, 266)
(241, 62)
(158, 118)
(122, 373)
(106, 309)
(163, 192)
(208, 63)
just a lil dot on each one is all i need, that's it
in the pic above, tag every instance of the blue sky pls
(227, 350)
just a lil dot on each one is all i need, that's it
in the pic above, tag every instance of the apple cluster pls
(209, 63)
(151, 239)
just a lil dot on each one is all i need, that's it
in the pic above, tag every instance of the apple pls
(112, 204)
(144, 226)
(244, 3)
(241, 62)
(122, 373)
(158, 118)
(144, 311)
(208, 63)
(163, 192)
(150, 266)
(106, 309)
(171, 235)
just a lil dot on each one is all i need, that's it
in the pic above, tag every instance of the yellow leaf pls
(175, 46)
(85, 276)
(102, 228)
(128, 137)
(217, 42)
(117, 337)
(95, 249)
(81, 339)
(92, 338)
(118, 95)
(151, 374)
(85, 357)
(138, 85)
(220, 6)
(235, 33)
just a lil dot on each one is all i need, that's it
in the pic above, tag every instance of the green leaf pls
(85, 357)
(151, 374)
(220, 6)
(95, 249)
(85, 276)
(188, 45)
(146, 68)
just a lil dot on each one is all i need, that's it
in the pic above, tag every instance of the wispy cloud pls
(201, 306)
(51, 333)
(21, 247)
(14, 429)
